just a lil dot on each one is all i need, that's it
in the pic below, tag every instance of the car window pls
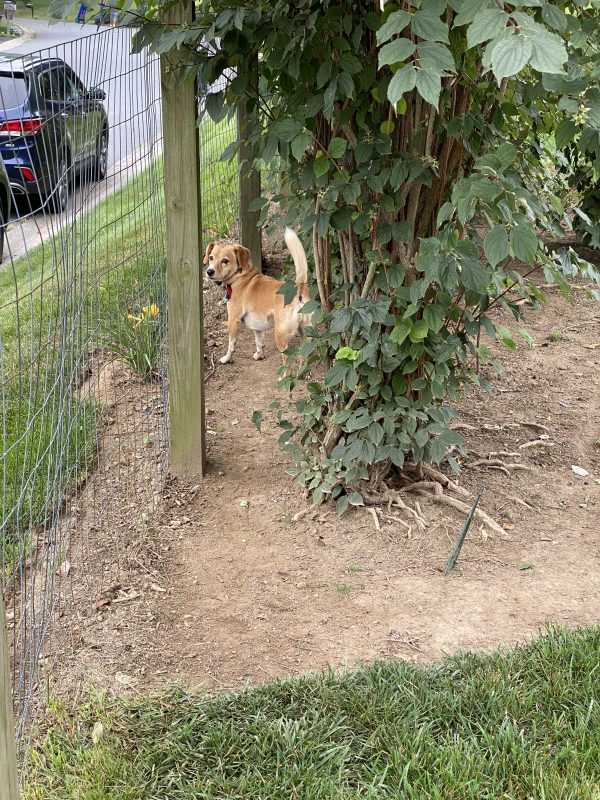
(76, 89)
(54, 86)
(13, 90)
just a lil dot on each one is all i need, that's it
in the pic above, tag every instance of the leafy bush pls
(393, 125)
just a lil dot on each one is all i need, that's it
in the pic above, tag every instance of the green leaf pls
(336, 374)
(495, 245)
(324, 73)
(525, 565)
(397, 457)
(348, 353)
(341, 505)
(287, 129)
(555, 17)
(429, 26)
(404, 80)
(418, 331)
(215, 106)
(429, 86)
(473, 275)
(341, 218)
(486, 26)
(506, 153)
(505, 337)
(509, 55)
(524, 334)
(350, 63)
(337, 147)
(434, 316)
(394, 24)
(346, 84)
(435, 57)
(565, 133)
(524, 243)
(257, 418)
(320, 166)
(329, 98)
(445, 213)
(467, 11)
(398, 50)
(400, 331)
(258, 203)
(549, 53)
(485, 189)
(300, 144)
(355, 499)
(289, 291)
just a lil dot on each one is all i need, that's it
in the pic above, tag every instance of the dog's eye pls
(225, 261)
(210, 258)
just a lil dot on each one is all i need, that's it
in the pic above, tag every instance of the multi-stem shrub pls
(396, 128)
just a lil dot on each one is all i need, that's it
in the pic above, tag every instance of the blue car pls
(52, 129)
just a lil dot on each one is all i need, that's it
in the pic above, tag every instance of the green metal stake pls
(460, 541)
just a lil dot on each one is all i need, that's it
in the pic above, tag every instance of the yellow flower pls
(151, 310)
(134, 318)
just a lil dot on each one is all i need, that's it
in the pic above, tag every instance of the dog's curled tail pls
(299, 256)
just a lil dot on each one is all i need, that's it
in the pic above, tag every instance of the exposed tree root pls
(496, 462)
(536, 443)
(460, 506)
(536, 426)
(373, 513)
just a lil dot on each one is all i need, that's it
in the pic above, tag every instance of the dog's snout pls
(210, 272)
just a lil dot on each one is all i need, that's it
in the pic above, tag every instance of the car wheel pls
(101, 164)
(60, 194)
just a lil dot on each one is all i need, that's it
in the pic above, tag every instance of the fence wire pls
(219, 173)
(82, 321)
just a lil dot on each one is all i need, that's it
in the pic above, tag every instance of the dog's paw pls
(258, 356)
(225, 359)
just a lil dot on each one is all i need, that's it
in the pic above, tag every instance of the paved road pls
(132, 86)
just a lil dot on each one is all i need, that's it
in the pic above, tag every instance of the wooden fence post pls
(249, 179)
(9, 788)
(181, 148)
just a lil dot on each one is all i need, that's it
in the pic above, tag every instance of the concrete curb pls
(27, 34)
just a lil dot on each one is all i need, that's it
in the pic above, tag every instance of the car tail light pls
(22, 127)
(27, 173)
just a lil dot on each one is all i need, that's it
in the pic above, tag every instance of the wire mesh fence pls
(219, 172)
(82, 322)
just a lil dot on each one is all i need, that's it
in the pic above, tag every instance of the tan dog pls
(252, 297)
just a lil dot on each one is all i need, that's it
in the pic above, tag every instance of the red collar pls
(228, 291)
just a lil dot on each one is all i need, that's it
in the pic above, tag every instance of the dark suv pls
(51, 128)
(4, 205)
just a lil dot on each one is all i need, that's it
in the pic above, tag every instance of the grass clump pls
(518, 724)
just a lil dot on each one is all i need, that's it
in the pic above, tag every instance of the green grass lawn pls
(516, 725)
(60, 304)
(70, 297)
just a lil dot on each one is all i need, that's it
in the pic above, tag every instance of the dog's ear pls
(209, 250)
(242, 254)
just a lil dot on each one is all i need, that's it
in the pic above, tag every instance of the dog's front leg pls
(233, 327)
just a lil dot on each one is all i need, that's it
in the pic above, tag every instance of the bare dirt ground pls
(225, 590)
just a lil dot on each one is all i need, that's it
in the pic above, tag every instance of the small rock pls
(124, 680)
(583, 473)
(244, 504)
(97, 732)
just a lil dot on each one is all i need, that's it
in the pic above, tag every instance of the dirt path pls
(252, 595)
(229, 591)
